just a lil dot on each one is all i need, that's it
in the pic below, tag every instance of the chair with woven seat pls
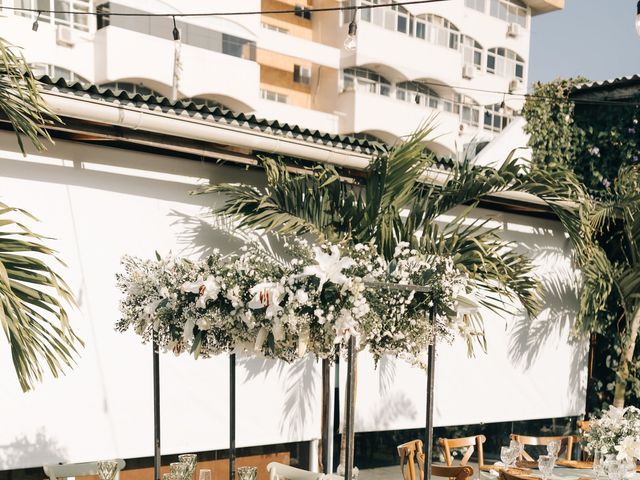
(471, 444)
(566, 444)
(84, 469)
(410, 453)
(461, 472)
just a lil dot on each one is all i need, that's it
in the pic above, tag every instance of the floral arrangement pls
(313, 301)
(617, 431)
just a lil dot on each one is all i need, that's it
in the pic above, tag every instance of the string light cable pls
(223, 14)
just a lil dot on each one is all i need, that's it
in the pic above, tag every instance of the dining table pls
(564, 469)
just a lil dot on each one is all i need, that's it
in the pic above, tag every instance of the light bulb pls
(350, 43)
(638, 18)
(502, 108)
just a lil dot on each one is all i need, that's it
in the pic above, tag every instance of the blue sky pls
(594, 38)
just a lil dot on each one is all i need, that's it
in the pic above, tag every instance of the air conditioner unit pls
(468, 71)
(65, 36)
(513, 30)
(514, 84)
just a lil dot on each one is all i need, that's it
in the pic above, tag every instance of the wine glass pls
(178, 470)
(598, 463)
(507, 455)
(545, 464)
(616, 470)
(518, 448)
(247, 473)
(205, 474)
(190, 460)
(107, 469)
(553, 448)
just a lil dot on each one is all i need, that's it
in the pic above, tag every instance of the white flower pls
(206, 289)
(629, 449)
(187, 333)
(329, 266)
(203, 323)
(269, 295)
(260, 339)
(302, 297)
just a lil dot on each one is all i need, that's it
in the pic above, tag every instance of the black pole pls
(232, 416)
(156, 408)
(431, 354)
(350, 408)
(326, 399)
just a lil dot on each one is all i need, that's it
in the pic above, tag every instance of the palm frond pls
(20, 100)
(32, 303)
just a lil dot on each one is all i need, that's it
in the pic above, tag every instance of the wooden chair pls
(470, 443)
(458, 473)
(409, 453)
(566, 444)
(281, 471)
(506, 475)
(55, 472)
(584, 426)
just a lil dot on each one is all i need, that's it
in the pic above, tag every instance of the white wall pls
(101, 203)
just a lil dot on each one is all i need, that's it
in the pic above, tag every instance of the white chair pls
(55, 472)
(280, 471)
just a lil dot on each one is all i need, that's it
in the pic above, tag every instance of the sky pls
(593, 38)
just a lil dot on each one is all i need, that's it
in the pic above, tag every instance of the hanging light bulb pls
(35, 25)
(176, 32)
(638, 18)
(503, 106)
(350, 43)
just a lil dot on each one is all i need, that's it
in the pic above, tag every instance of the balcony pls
(294, 46)
(150, 59)
(390, 119)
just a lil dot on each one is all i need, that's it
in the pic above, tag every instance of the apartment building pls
(463, 62)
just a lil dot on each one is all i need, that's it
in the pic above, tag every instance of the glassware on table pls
(553, 448)
(178, 470)
(204, 474)
(518, 448)
(616, 470)
(545, 465)
(107, 469)
(507, 455)
(168, 476)
(247, 473)
(598, 464)
(190, 460)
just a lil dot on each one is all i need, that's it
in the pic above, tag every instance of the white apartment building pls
(463, 61)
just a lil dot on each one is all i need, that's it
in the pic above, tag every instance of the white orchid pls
(267, 295)
(329, 266)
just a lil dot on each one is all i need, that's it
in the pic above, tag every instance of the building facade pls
(463, 61)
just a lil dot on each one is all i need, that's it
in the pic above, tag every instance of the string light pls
(638, 18)
(176, 32)
(350, 43)
(35, 25)
(502, 105)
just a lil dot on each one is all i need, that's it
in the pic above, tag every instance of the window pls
(273, 96)
(162, 27)
(131, 88)
(496, 118)
(65, 17)
(472, 52)
(302, 74)
(394, 17)
(475, 4)
(504, 62)
(364, 80)
(302, 12)
(55, 72)
(420, 94)
(512, 11)
(438, 30)
(275, 28)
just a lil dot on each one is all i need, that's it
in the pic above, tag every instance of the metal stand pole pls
(326, 407)
(428, 446)
(232, 416)
(350, 409)
(156, 408)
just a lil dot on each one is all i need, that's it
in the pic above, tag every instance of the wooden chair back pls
(504, 474)
(566, 444)
(472, 444)
(410, 453)
(458, 473)
(584, 426)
